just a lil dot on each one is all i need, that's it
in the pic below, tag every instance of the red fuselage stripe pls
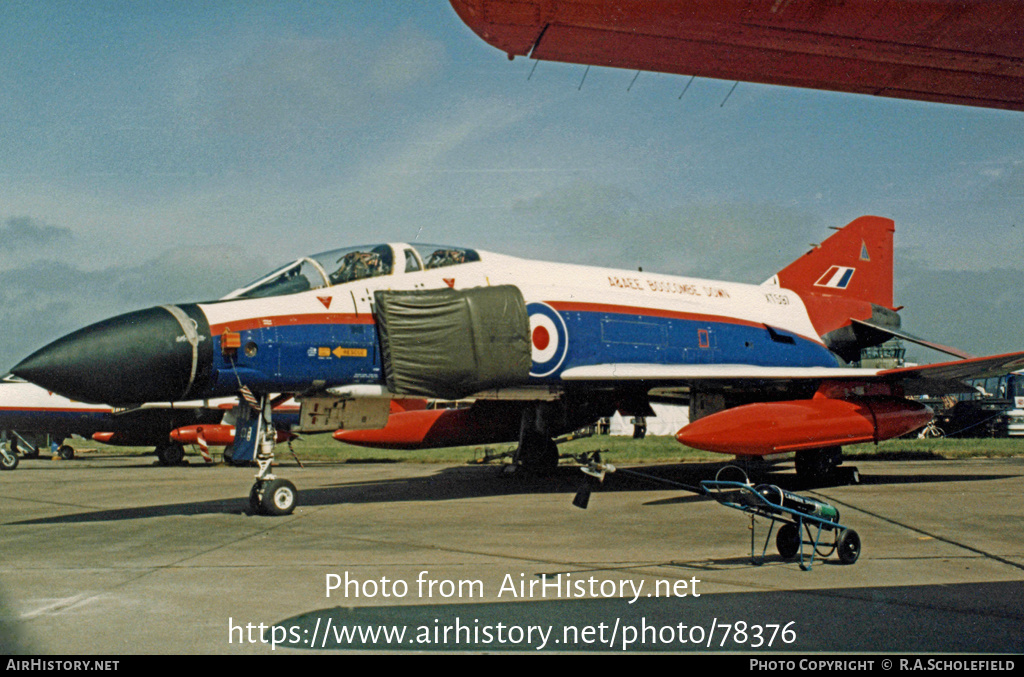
(57, 410)
(246, 323)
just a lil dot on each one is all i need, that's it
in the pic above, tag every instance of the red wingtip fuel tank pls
(777, 427)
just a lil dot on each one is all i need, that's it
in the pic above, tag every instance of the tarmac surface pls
(117, 555)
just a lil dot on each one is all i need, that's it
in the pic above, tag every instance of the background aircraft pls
(209, 435)
(556, 345)
(32, 417)
(967, 52)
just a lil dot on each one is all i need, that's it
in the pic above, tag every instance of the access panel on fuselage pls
(449, 344)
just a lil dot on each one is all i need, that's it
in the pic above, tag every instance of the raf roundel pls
(548, 339)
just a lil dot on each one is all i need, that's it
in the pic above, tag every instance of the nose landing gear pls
(255, 438)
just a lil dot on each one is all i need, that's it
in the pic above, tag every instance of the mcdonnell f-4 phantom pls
(542, 349)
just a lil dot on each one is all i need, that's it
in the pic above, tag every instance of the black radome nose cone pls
(144, 356)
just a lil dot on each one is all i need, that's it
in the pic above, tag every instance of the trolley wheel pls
(66, 452)
(848, 547)
(787, 541)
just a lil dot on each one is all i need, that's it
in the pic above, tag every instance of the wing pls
(967, 52)
(933, 379)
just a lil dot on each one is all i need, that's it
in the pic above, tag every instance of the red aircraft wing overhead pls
(967, 52)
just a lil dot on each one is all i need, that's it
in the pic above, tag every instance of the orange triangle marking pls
(326, 300)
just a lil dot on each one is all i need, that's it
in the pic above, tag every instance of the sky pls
(161, 152)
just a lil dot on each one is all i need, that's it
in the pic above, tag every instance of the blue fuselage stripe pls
(295, 357)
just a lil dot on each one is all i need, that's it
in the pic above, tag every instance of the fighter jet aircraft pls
(550, 346)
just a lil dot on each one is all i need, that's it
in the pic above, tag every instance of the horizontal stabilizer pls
(900, 334)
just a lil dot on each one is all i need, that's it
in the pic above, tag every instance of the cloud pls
(406, 58)
(23, 232)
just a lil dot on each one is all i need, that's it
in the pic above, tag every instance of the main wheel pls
(818, 464)
(8, 462)
(279, 498)
(254, 500)
(171, 454)
(538, 454)
(66, 452)
(848, 547)
(787, 541)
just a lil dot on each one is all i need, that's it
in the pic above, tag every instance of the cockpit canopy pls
(353, 263)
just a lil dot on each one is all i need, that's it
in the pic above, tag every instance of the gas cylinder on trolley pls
(807, 506)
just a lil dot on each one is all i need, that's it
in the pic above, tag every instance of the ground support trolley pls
(803, 521)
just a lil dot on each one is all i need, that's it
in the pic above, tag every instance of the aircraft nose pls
(155, 355)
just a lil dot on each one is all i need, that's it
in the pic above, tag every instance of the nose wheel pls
(272, 497)
(8, 460)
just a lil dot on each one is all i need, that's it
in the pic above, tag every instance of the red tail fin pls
(847, 276)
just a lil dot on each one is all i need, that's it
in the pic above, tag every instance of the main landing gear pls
(537, 452)
(816, 465)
